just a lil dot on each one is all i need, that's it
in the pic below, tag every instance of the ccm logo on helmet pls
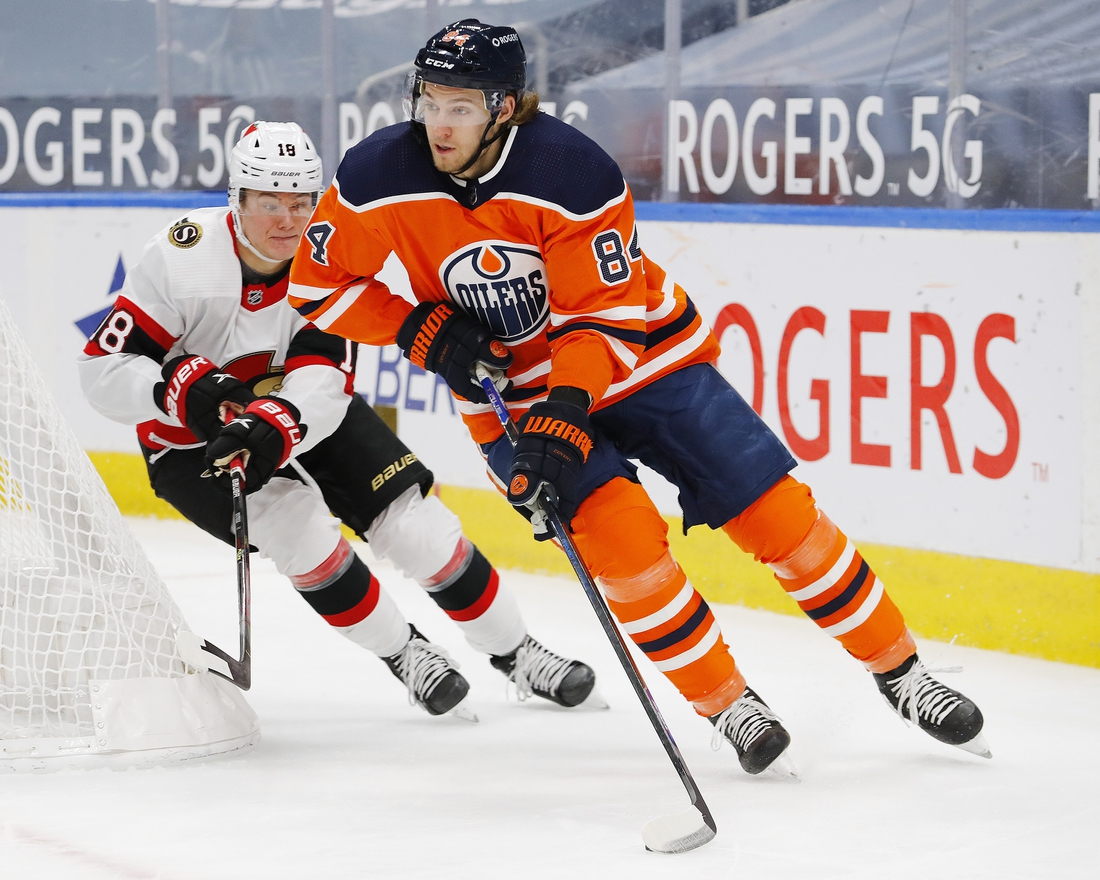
(435, 62)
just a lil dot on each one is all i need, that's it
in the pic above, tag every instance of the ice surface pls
(350, 781)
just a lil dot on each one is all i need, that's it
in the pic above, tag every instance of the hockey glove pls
(442, 340)
(264, 435)
(193, 390)
(555, 438)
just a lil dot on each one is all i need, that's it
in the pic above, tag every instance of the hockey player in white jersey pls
(201, 328)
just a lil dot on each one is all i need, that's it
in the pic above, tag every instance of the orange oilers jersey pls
(543, 250)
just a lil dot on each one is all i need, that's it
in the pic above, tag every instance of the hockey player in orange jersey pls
(519, 238)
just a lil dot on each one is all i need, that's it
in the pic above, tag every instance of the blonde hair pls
(526, 109)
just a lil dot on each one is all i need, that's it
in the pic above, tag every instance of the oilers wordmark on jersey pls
(503, 285)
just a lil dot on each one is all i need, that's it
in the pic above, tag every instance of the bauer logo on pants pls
(379, 480)
(502, 285)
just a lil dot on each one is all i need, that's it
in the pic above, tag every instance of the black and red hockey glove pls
(440, 339)
(194, 389)
(264, 435)
(555, 438)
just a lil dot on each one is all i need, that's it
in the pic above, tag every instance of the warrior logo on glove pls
(563, 430)
(442, 340)
(426, 336)
(555, 439)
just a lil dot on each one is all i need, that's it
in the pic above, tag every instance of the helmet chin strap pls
(243, 239)
(485, 144)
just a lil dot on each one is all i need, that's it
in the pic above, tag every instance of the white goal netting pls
(88, 663)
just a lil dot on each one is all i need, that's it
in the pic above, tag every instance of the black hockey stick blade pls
(207, 657)
(204, 655)
(676, 833)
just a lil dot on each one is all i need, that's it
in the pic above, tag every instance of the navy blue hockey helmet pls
(470, 55)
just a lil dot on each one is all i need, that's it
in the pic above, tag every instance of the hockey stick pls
(202, 654)
(678, 832)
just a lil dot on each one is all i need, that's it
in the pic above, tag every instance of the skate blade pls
(977, 746)
(680, 832)
(462, 710)
(783, 769)
(594, 701)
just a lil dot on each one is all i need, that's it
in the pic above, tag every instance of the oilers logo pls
(501, 284)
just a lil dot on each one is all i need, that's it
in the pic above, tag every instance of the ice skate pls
(941, 712)
(757, 734)
(430, 675)
(537, 670)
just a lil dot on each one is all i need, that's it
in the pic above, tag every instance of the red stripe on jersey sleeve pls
(120, 330)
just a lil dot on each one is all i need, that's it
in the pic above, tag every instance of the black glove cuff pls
(569, 394)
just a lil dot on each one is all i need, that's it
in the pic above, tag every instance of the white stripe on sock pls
(830, 578)
(663, 615)
(692, 654)
(861, 614)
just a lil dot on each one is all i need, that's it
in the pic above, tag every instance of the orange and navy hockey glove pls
(264, 435)
(555, 438)
(440, 339)
(193, 391)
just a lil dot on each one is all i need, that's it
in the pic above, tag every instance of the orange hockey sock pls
(624, 541)
(824, 573)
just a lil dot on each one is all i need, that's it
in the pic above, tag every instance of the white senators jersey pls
(187, 295)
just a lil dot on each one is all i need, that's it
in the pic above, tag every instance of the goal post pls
(89, 673)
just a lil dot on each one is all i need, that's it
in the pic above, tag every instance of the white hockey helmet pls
(273, 157)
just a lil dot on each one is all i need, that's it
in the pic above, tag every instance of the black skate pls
(430, 675)
(539, 671)
(757, 734)
(939, 711)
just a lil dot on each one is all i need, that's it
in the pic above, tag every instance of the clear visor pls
(272, 204)
(453, 107)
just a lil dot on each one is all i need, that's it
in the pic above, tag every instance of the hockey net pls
(88, 665)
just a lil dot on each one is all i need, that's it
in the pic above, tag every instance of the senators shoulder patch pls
(185, 234)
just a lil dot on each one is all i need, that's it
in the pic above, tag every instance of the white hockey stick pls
(678, 832)
(198, 652)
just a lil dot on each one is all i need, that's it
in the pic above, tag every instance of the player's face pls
(455, 121)
(274, 222)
